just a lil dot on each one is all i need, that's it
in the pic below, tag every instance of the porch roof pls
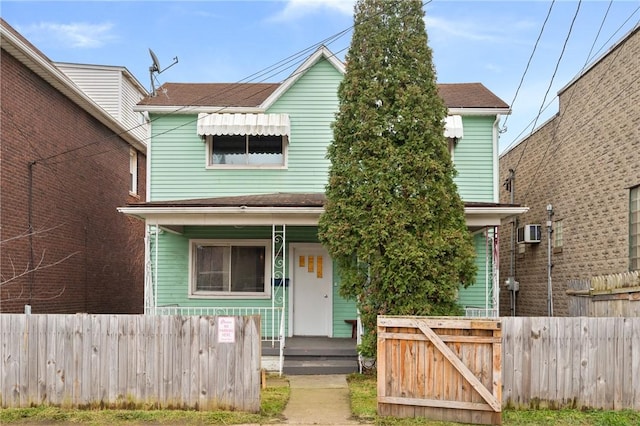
(302, 209)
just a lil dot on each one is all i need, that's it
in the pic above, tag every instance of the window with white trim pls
(246, 150)
(634, 229)
(133, 171)
(230, 268)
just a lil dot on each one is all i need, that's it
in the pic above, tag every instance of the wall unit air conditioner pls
(529, 234)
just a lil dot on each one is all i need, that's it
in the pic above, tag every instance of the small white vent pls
(529, 234)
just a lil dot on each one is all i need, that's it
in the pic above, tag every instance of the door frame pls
(292, 288)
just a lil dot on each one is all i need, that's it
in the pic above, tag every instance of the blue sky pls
(229, 41)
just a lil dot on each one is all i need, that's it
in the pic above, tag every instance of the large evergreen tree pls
(394, 221)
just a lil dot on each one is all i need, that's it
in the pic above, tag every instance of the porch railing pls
(271, 319)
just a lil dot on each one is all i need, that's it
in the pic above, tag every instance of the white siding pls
(112, 90)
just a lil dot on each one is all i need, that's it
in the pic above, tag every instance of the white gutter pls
(478, 111)
(221, 216)
(220, 210)
(185, 109)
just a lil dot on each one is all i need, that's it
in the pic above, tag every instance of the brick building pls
(66, 164)
(585, 163)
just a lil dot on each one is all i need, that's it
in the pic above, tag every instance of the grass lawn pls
(362, 389)
(273, 400)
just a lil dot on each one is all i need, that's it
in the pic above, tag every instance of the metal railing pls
(272, 319)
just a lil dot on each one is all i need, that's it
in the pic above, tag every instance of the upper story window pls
(245, 140)
(634, 229)
(246, 150)
(133, 171)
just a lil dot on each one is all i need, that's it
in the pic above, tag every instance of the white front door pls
(312, 290)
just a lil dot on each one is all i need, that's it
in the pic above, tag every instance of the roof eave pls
(182, 109)
(56, 78)
(219, 216)
(490, 216)
(479, 111)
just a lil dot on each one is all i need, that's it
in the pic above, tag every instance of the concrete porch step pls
(319, 366)
(313, 355)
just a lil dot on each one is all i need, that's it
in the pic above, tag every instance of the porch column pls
(278, 273)
(495, 260)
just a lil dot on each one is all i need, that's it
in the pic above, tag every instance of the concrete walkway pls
(319, 400)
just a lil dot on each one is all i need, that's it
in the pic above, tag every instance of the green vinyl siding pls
(178, 154)
(343, 309)
(473, 159)
(173, 270)
(475, 296)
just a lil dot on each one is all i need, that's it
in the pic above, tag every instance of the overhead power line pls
(535, 46)
(564, 46)
(265, 73)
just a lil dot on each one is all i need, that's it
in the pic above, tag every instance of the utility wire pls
(590, 57)
(568, 102)
(564, 46)
(535, 46)
(265, 73)
(250, 78)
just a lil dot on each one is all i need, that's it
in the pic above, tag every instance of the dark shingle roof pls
(455, 95)
(211, 94)
(469, 95)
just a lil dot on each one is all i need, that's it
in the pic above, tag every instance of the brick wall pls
(89, 257)
(583, 162)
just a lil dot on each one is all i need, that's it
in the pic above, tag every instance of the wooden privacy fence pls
(440, 368)
(615, 295)
(128, 361)
(573, 362)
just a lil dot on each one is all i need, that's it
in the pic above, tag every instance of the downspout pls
(147, 268)
(154, 284)
(511, 285)
(496, 170)
(496, 270)
(486, 271)
(549, 265)
(32, 277)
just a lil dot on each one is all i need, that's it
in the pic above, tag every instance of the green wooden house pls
(236, 179)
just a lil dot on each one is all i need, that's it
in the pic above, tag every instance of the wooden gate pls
(440, 368)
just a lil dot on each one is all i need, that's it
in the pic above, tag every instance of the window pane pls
(212, 268)
(265, 150)
(247, 269)
(558, 238)
(229, 149)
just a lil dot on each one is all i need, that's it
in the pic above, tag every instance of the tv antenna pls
(155, 68)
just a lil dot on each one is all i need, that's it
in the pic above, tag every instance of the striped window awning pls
(243, 124)
(453, 127)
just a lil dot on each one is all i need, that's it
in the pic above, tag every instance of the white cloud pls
(295, 9)
(75, 35)
(460, 29)
(477, 30)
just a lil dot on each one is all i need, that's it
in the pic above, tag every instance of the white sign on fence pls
(226, 330)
